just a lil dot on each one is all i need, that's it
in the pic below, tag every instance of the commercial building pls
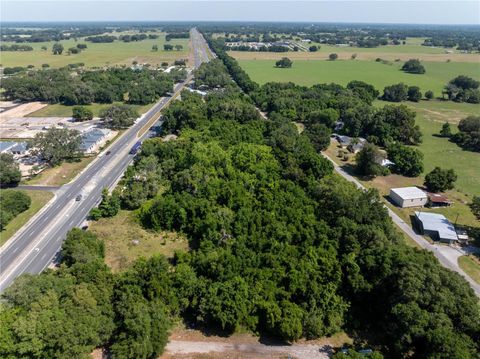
(436, 226)
(408, 197)
(15, 148)
(93, 139)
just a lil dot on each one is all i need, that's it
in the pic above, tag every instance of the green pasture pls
(413, 45)
(343, 71)
(117, 52)
(441, 152)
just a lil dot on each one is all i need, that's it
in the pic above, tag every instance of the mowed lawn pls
(343, 71)
(96, 54)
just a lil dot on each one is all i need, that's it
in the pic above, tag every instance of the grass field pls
(343, 71)
(439, 151)
(118, 233)
(471, 266)
(58, 176)
(96, 55)
(39, 199)
(59, 110)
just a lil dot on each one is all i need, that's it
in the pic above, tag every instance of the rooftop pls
(409, 192)
(438, 198)
(10, 146)
(438, 223)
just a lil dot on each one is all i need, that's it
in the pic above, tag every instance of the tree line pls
(80, 88)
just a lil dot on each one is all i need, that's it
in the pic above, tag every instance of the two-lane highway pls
(34, 246)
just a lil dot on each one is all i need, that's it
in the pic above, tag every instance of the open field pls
(60, 175)
(343, 71)
(441, 152)
(39, 199)
(97, 54)
(120, 231)
(412, 49)
(59, 110)
(471, 266)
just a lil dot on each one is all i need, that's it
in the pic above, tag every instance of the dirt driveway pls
(22, 110)
(192, 349)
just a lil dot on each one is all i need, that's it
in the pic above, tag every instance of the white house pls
(408, 197)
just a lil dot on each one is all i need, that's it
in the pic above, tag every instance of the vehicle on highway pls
(107, 153)
(135, 148)
(78, 198)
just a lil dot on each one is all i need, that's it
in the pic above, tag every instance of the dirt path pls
(22, 110)
(192, 349)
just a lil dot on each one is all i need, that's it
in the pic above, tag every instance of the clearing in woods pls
(126, 240)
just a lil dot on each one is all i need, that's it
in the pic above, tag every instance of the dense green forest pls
(279, 244)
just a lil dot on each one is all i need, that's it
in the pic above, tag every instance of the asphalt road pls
(35, 245)
(446, 255)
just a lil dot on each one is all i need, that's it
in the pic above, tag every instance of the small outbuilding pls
(438, 200)
(408, 197)
(436, 226)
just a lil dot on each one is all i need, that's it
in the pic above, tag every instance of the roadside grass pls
(471, 266)
(39, 199)
(343, 71)
(59, 175)
(59, 110)
(97, 54)
(119, 232)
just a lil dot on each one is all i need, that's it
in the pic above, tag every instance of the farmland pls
(343, 71)
(97, 54)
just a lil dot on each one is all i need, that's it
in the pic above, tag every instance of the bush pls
(369, 161)
(407, 161)
(395, 93)
(413, 66)
(81, 113)
(332, 57)
(429, 95)
(439, 180)
(10, 173)
(284, 62)
(414, 94)
(12, 203)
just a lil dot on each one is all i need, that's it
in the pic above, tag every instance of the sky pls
(358, 11)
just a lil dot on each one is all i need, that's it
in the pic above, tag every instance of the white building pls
(408, 197)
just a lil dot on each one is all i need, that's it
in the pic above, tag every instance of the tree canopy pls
(56, 145)
(10, 174)
(413, 66)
